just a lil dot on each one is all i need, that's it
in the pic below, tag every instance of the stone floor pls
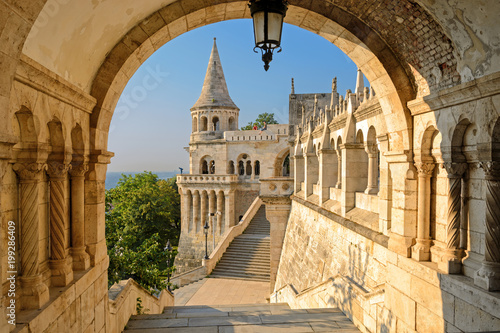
(241, 319)
(222, 291)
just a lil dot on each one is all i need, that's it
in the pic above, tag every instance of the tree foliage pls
(142, 213)
(261, 118)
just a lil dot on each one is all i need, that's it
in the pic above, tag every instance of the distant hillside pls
(112, 178)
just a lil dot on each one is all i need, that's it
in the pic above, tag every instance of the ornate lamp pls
(205, 230)
(168, 249)
(267, 18)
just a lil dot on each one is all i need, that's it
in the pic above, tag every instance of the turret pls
(214, 111)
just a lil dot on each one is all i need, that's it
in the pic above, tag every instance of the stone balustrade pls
(206, 179)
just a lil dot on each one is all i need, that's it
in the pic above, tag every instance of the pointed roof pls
(214, 92)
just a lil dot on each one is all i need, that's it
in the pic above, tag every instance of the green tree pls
(261, 118)
(142, 213)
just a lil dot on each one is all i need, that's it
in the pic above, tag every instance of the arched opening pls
(257, 168)
(204, 124)
(231, 124)
(241, 168)
(285, 168)
(371, 148)
(212, 167)
(194, 126)
(204, 167)
(215, 124)
(230, 168)
(249, 168)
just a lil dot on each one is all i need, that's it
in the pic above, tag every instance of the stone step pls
(244, 267)
(252, 277)
(242, 318)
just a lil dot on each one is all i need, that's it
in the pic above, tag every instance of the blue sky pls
(152, 122)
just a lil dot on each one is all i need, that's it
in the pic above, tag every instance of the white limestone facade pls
(225, 166)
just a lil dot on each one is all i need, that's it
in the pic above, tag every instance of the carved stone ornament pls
(79, 170)
(425, 169)
(57, 169)
(29, 171)
(491, 170)
(455, 170)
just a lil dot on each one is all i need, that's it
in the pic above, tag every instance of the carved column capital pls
(455, 170)
(78, 170)
(491, 170)
(424, 169)
(371, 148)
(29, 171)
(57, 169)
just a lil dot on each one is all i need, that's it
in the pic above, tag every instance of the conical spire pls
(214, 92)
(360, 84)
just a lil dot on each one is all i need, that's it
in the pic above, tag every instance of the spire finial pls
(334, 84)
(293, 87)
(360, 85)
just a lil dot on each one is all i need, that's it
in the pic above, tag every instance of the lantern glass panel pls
(258, 27)
(275, 21)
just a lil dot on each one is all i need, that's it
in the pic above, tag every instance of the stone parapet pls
(206, 179)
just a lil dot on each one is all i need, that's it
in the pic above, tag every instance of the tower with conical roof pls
(214, 111)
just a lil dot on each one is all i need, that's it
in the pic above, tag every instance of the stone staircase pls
(248, 255)
(241, 318)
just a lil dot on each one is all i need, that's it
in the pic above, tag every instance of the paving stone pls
(270, 328)
(157, 323)
(229, 321)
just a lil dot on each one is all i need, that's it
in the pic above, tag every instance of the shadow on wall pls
(349, 290)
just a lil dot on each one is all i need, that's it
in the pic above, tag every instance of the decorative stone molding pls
(78, 170)
(491, 170)
(57, 170)
(424, 169)
(31, 171)
(455, 170)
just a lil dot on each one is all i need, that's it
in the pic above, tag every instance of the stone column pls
(298, 173)
(229, 207)
(326, 173)
(354, 175)
(185, 210)
(451, 261)
(220, 198)
(81, 259)
(372, 186)
(421, 250)
(203, 209)
(277, 212)
(488, 276)
(34, 293)
(60, 262)
(196, 211)
(339, 169)
(311, 173)
(211, 208)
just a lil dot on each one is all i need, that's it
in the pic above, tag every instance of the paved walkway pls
(263, 318)
(222, 291)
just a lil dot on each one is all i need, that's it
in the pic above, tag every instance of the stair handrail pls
(229, 235)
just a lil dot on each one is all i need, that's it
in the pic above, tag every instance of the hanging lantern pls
(267, 18)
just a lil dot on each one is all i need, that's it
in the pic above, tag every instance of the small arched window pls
(249, 168)
(212, 167)
(286, 166)
(231, 124)
(204, 123)
(215, 123)
(257, 168)
(241, 168)
(230, 169)
(195, 124)
(204, 168)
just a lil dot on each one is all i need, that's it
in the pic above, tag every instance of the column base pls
(421, 250)
(62, 272)
(488, 276)
(81, 259)
(371, 190)
(34, 293)
(400, 244)
(451, 262)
